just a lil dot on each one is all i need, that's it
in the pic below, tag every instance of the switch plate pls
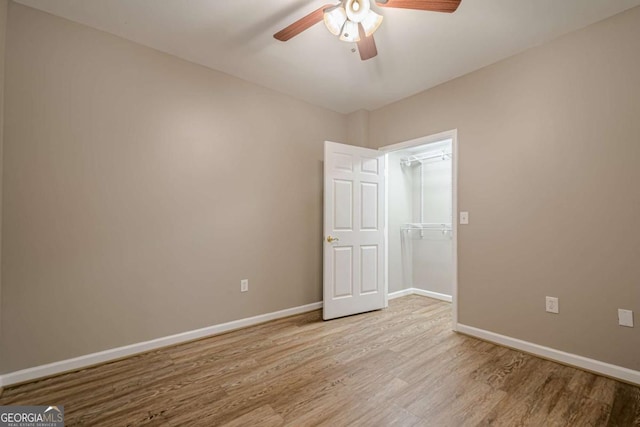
(464, 217)
(625, 318)
(244, 285)
(552, 305)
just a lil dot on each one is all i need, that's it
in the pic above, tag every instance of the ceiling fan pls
(354, 20)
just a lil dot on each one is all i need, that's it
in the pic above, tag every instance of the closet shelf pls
(425, 226)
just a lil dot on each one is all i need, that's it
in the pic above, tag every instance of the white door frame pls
(453, 136)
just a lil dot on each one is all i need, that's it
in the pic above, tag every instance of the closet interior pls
(420, 200)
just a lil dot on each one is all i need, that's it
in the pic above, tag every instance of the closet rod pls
(419, 158)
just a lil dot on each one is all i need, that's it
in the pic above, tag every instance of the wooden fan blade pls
(302, 24)
(366, 45)
(447, 6)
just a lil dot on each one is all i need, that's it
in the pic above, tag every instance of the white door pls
(353, 230)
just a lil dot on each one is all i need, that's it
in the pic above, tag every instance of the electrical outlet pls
(244, 285)
(464, 218)
(552, 305)
(625, 318)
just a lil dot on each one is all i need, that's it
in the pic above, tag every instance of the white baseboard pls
(591, 365)
(92, 359)
(401, 293)
(422, 292)
(434, 295)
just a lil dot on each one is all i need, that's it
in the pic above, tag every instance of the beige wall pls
(140, 189)
(358, 128)
(4, 4)
(549, 169)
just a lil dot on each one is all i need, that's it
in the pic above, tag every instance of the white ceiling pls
(416, 50)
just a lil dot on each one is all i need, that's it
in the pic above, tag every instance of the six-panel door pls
(353, 230)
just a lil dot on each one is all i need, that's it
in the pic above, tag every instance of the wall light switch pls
(464, 217)
(552, 305)
(244, 285)
(625, 318)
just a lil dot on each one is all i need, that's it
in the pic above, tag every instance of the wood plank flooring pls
(401, 366)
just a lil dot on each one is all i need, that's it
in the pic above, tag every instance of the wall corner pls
(358, 128)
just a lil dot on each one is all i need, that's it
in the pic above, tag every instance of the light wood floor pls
(401, 366)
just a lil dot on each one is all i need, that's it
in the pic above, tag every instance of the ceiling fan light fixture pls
(357, 10)
(350, 32)
(334, 19)
(371, 22)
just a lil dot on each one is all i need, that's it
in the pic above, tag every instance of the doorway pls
(421, 207)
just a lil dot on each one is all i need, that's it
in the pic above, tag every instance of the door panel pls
(369, 211)
(369, 269)
(343, 271)
(370, 165)
(353, 230)
(343, 202)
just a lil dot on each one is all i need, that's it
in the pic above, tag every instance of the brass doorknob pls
(332, 239)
